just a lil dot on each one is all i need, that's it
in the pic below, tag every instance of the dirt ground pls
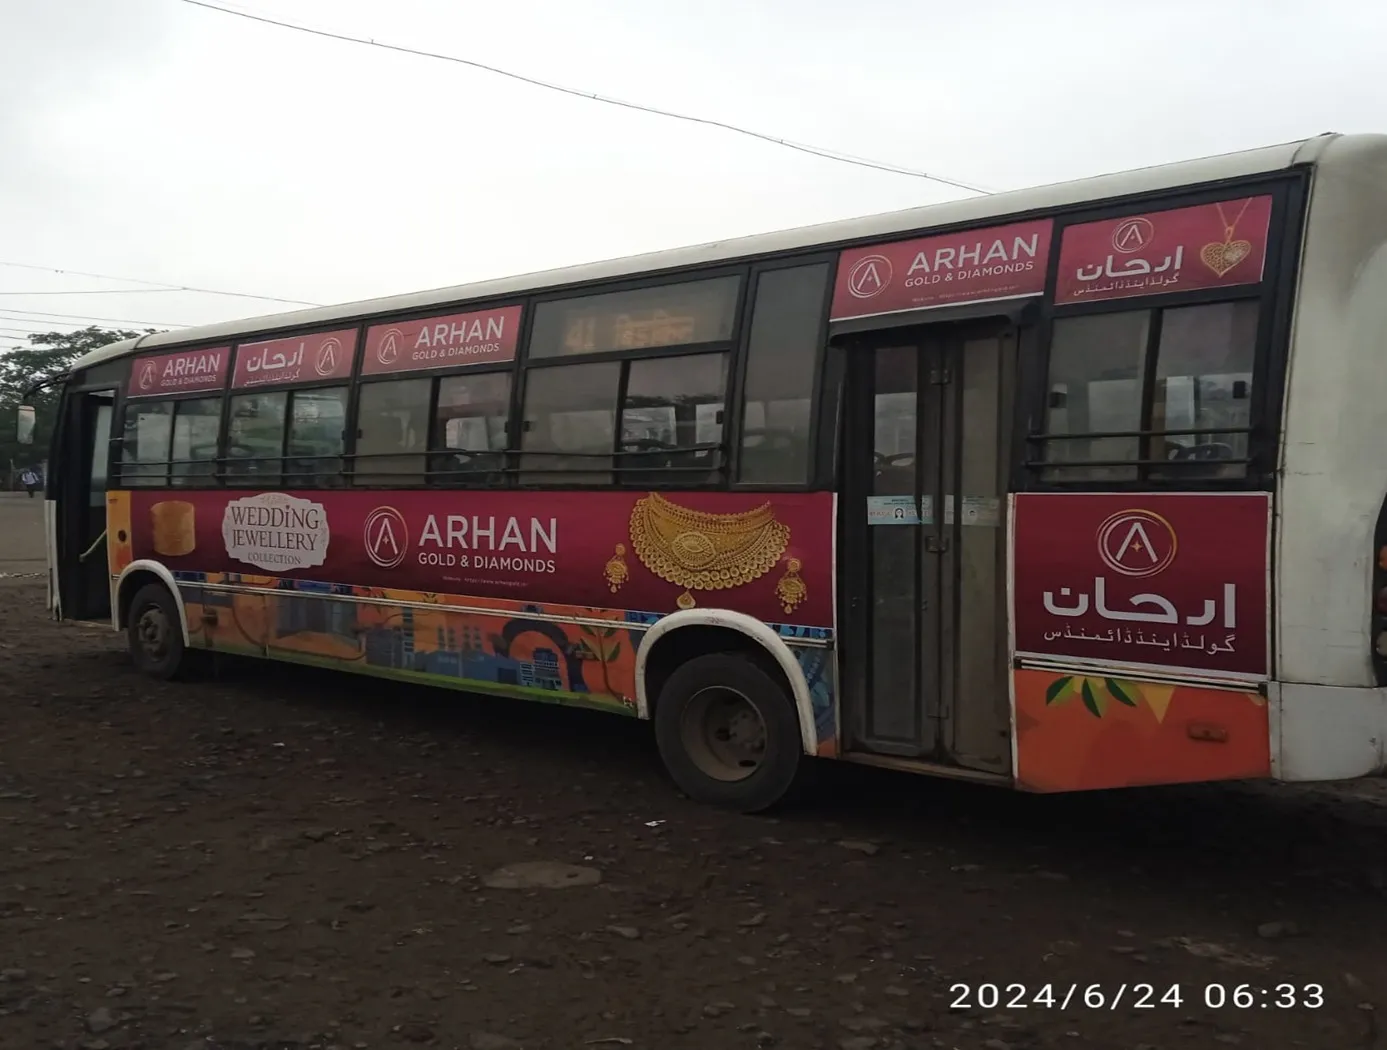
(276, 858)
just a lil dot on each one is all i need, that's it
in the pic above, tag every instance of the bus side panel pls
(619, 561)
(1078, 732)
(1332, 710)
(1139, 624)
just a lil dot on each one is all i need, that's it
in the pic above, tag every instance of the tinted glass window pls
(317, 437)
(570, 410)
(469, 427)
(1197, 410)
(144, 458)
(670, 315)
(392, 432)
(782, 362)
(255, 439)
(673, 406)
(1203, 387)
(1096, 369)
(196, 426)
(101, 455)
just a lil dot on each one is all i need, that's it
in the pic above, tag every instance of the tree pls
(49, 354)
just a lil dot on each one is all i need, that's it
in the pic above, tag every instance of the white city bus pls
(1065, 488)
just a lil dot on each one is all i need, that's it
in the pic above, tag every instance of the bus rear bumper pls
(1323, 732)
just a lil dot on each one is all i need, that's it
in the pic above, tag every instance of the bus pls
(1062, 489)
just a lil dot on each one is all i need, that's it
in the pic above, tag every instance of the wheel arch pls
(695, 632)
(131, 579)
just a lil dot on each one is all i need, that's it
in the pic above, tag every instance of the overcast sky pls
(159, 140)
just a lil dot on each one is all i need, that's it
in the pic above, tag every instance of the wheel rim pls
(152, 632)
(723, 733)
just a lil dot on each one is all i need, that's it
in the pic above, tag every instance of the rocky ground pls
(277, 858)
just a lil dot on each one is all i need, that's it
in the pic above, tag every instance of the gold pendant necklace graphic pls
(1222, 257)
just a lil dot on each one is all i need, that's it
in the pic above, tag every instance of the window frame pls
(734, 347)
(1274, 295)
(640, 283)
(484, 478)
(825, 394)
(290, 390)
(434, 376)
(116, 462)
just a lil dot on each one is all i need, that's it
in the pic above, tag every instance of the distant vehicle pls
(1068, 488)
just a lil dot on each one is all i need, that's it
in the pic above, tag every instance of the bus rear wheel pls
(728, 733)
(155, 633)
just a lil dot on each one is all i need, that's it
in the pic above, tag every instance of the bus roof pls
(826, 235)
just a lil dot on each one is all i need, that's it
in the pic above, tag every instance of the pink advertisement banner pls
(770, 557)
(1219, 245)
(1003, 262)
(184, 372)
(482, 337)
(1169, 580)
(321, 357)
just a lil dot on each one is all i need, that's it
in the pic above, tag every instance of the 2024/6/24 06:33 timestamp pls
(1283, 996)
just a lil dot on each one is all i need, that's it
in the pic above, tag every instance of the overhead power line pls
(817, 151)
(40, 317)
(100, 291)
(157, 284)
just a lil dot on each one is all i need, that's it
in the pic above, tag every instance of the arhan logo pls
(1132, 235)
(869, 276)
(147, 376)
(1137, 543)
(386, 536)
(389, 348)
(327, 357)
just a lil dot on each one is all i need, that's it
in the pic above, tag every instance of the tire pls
(154, 633)
(708, 719)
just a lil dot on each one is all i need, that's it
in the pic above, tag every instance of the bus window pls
(672, 406)
(195, 430)
(144, 458)
(317, 435)
(782, 362)
(665, 315)
(570, 410)
(392, 434)
(895, 409)
(255, 439)
(469, 429)
(1096, 368)
(1204, 383)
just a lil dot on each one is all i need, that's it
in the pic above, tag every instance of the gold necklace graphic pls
(700, 551)
(1222, 257)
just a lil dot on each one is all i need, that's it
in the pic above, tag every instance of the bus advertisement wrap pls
(298, 359)
(482, 337)
(770, 558)
(1166, 580)
(1219, 245)
(1003, 262)
(184, 372)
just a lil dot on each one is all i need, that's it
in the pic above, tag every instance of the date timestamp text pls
(1064, 996)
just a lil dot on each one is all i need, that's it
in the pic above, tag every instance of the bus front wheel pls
(728, 733)
(155, 633)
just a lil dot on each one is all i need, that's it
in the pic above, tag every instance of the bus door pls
(926, 451)
(79, 466)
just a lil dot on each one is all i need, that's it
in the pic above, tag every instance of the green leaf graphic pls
(1091, 700)
(1057, 688)
(1119, 693)
(614, 653)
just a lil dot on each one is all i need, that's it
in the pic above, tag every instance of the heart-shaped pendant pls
(1221, 258)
